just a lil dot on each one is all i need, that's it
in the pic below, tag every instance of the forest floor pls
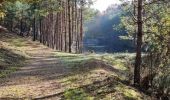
(31, 71)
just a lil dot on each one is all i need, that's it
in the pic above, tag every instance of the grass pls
(9, 62)
(11, 55)
(118, 60)
(97, 83)
(96, 86)
(77, 94)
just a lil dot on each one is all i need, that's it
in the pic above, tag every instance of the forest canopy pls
(61, 20)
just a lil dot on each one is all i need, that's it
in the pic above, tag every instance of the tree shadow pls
(110, 83)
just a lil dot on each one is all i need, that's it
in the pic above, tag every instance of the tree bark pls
(34, 29)
(69, 26)
(139, 45)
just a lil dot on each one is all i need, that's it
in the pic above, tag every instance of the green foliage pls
(162, 82)
(129, 94)
(156, 36)
(89, 14)
(27, 10)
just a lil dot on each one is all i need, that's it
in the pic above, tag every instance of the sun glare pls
(102, 5)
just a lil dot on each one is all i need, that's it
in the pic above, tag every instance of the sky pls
(102, 5)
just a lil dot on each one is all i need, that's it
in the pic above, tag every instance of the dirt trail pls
(37, 77)
(45, 77)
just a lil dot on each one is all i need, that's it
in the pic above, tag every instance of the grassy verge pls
(11, 55)
(118, 60)
(9, 62)
(97, 83)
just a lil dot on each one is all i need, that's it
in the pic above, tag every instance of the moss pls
(128, 92)
(77, 94)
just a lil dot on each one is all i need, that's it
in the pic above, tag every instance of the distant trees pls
(102, 33)
(55, 23)
(58, 28)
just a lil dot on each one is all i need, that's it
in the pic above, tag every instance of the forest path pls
(37, 77)
(50, 75)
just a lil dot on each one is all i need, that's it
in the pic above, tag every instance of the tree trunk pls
(139, 46)
(69, 26)
(40, 29)
(81, 29)
(21, 25)
(34, 29)
(34, 24)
